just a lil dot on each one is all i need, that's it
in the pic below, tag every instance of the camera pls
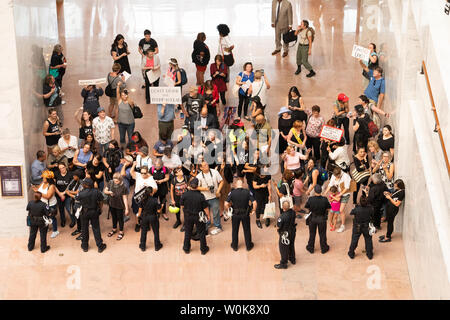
(211, 189)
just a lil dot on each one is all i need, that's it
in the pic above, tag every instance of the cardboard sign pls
(165, 95)
(91, 82)
(360, 52)
(331, 133)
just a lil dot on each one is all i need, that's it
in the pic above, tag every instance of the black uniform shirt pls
(362, 214)
(286, 221)
(151, 206)
(240, 199)
(376, 194)
(37, 209)
(193, 202)
(318, 206)
(89, 198)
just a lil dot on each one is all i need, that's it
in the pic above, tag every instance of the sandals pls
(165, 217)
(120, 236)
(111, 233)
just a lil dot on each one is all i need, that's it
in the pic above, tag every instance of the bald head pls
(239, 184)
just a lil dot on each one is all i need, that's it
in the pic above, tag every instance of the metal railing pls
(438, 127)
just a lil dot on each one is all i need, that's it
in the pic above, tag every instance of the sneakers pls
(299, 69)
(63, 102)
(311, 74)
(216, 231)
(341, 228)
(54, 234)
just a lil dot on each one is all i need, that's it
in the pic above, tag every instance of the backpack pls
(153, 170)
(313, 33)
(323, 174)
(183, 77)
(373, 129)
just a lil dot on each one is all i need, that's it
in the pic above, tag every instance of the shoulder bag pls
(287, 197)
(269, 211)
(359, 176)
(137, 112)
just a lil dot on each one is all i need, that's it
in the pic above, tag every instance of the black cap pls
(193, 183)
(88, 182)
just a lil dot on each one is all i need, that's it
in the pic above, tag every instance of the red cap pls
(342, 97)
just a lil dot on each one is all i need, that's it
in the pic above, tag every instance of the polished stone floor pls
(123, 271)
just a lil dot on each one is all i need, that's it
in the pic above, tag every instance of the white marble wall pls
(26, 26)
(408, 32)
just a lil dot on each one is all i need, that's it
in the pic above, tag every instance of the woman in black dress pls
(119, 52)
(200, 56)
(262, 185)
(296, 105)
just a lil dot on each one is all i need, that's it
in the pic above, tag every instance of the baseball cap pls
(100, 109)
(144, 150)
(128, 158)
(88, 182)
(342, 97)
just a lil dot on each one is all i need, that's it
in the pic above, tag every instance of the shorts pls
(335, 212)
(201, 68)
(298, 200)
(112, 100)
(345, 199)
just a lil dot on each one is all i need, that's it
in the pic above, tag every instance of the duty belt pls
(240, 211)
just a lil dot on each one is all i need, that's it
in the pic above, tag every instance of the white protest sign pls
(360, 52)
(331, 133)
(91, 82)
(168, 95)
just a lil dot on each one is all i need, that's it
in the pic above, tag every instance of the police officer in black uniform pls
(90, 199)
(149, 211)
(319, 206)
(242, 202)
(195, 208)
(363, 216)
(36, 212)
(287, 230)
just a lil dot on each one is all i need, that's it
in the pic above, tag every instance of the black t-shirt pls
(89, 198)
(63, 182)
(37, 209)
(179, 188)
(118, 190)
(240, 199)
(144, 45)
(160, 174)
(52, 128)
(318, 206)
(397, 195)
(282, 189)
(376, 197)
(194, 202)
(90, 100)
(97, 169)
(297, 114)
(151, 206)
(387, 144)
(56, 60)
(362, 214)
(84, 131)
(193, 105)
(262, 180)
(363, 129)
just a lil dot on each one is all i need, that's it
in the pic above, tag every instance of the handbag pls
(289, 37)
(269, 211)
(228, 59)
(137, 112)
(140, 196)
(360, 176)
(28, 221)
(287, 198)
(372, 229)
(235, 90)
(353, 186)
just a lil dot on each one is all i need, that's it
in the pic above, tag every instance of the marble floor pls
(123, 271)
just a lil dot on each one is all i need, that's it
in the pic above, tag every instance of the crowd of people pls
(217, 165)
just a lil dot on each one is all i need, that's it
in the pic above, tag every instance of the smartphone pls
(262, 71)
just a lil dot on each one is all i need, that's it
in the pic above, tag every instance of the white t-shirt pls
(224, 43)
(339, 156)
(344, 181)
(73, 142)
(141, 183)
(143, 162)
(173, 162)
(212, 178)
(256, 86)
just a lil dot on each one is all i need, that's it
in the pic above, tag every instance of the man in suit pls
(282, 22)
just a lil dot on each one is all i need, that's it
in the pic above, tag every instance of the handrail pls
(438, 127)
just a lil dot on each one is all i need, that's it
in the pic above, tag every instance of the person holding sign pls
(151, 69)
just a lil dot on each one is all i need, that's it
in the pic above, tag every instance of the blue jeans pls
(102, 148)
(64, 204)
(54, 221)
(214, 209)
(125, 128)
